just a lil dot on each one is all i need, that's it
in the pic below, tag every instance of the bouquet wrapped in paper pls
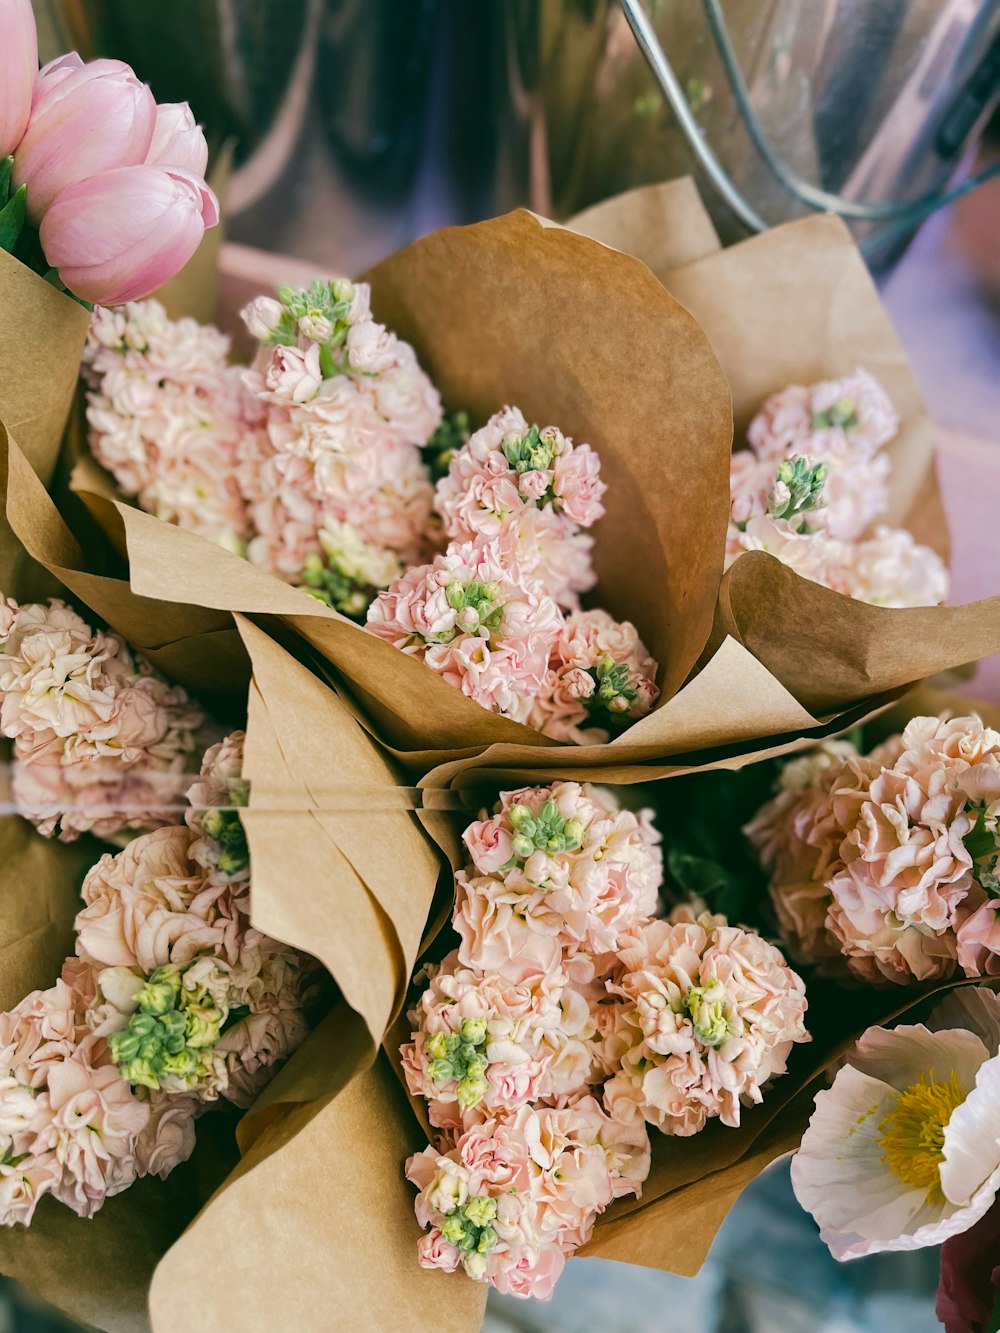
(354, 862)
(745, 609)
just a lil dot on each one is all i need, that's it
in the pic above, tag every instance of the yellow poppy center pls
(912, 1139)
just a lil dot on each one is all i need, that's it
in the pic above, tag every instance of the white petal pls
(901, 1056)
(838, 1174)
(972, 1138)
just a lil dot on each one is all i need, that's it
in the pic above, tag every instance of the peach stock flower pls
(101, 742)
(712, 1012)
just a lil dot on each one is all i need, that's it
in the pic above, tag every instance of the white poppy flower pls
(903, 1150)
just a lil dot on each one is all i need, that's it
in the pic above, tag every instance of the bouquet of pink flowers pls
(568, 1019)
(172, 999)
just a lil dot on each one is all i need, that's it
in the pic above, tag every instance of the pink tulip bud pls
(85, 119)
(120, 236)
(18, 67)
(178, 140)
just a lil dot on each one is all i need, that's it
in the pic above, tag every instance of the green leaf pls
(6, 167)
(12, 219)
(720, 889)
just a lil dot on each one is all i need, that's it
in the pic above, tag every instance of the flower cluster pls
(165, 415)
(711, 1013)
(812, 484)
(172, 1001)
(497, 614)
(102, 743)
(113, 183)
(309, 463)
(565, 1021)
(886, 865)
(533, 489)
(345, 411)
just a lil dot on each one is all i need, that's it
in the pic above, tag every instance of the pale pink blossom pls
(535, 1038)
(168, 417)
(713, 1011)
(526, 909)
(891, 569)
(524, 1190)
(169, 1136)
(101, 742)
(854, 412)
(472, 618)
(601, 677)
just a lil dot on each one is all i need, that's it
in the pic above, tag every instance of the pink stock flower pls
(86, 119)
(169, 1136)
(68, 1121)
(101, 742)
(868, 856)
(166, 416)
(520, 1192)
(149, 905)
(18, 67)
(853, 413)
(177, 140)
(121, 234)
(891, 569)
(292, 375)
(600, 671)
(907, 883)
(712, 1013)
(472, 618)
(531, 489)
(531, 906)
(533, 1043)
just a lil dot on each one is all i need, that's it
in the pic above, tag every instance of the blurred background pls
(354, 126)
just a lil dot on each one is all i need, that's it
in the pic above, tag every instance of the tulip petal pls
(18, 65)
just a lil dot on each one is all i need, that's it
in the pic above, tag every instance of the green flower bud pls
(480, 1209)
(455, 594)
(522, 846)
(573, 833)
(437, 1045)
(474, 1030)
(487, 1239)
(476, 1066)
(440, 1070)
(475, 1265)
(519, 814)
(470, 1092)
(453, 1228)
(707, 1006)
(140, 1073)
